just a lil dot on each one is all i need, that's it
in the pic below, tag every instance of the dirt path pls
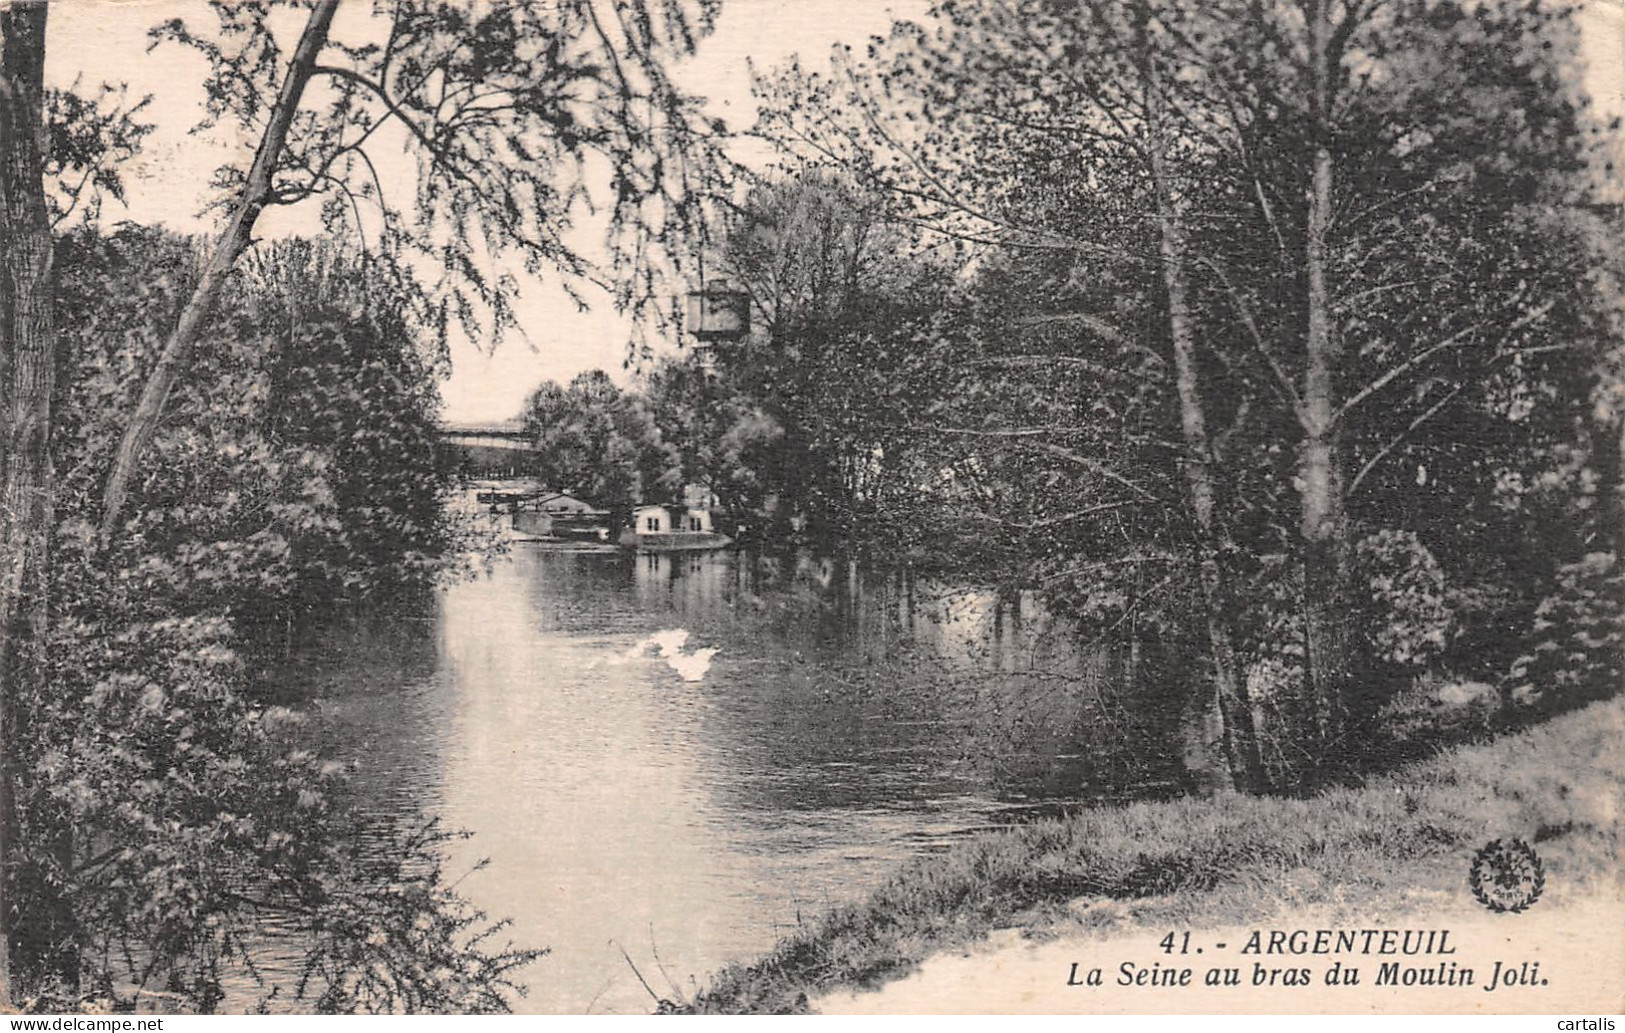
(1578, 946)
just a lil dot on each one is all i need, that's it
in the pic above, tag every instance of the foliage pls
(90, 138)
(282, 477)
(599, 442)
(1442, 422)
(1435, 712)
(354, 383)
(811, 416)
(1036, 273)
(1577, 649)
(716, 437)
(296, 475)
(202, 820)
(1413, 619)
(849, 336)
(296, 465)
(392, 936)
(526, 124)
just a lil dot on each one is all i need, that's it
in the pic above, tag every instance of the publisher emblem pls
(1507, 875)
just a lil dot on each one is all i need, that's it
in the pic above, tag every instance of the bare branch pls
(233, 240)
(1456, 340)
(1283, 383)
(1382, 453)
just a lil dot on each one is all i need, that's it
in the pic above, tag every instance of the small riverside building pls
(652, 520)
(679, 527)
(555, 513)
(699, 502)
(676, 519)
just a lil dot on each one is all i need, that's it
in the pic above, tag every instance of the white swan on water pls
(669, 644)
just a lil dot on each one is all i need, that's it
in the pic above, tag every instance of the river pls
(682, 756)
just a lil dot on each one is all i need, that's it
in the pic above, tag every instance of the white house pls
(652, 520)
(669, 519)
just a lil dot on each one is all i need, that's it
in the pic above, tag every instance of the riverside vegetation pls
(291, 489)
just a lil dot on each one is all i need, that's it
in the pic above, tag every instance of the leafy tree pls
(594, 439)
(510, 111)
(942, 118)
(196, 814)
(848, 330)
(349, 378)
(694, 411)
(1365, 215)
(1389, 156)
(90, 139)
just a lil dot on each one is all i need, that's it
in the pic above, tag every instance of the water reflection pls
(838, 726)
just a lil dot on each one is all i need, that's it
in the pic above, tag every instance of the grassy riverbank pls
(1402, 841)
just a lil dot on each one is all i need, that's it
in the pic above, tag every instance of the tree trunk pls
(1229, 708)
(1324, 521)
(229, 247)
(27, 374)
(1233, 711)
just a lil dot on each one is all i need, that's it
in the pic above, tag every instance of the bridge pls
(507, 434)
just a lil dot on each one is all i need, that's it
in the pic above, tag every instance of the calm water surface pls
(682, 756)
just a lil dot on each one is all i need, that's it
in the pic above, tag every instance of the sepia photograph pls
(828, 507)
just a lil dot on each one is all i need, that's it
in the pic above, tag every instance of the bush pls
(1410, 619)
(1574, 651)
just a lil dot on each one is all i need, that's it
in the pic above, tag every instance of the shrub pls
(1574, 651)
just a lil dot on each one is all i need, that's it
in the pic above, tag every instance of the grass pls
(1402, 840)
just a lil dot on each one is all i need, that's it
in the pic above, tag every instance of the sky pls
(105, 40)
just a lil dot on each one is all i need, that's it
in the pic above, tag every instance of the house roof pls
(546, 497)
